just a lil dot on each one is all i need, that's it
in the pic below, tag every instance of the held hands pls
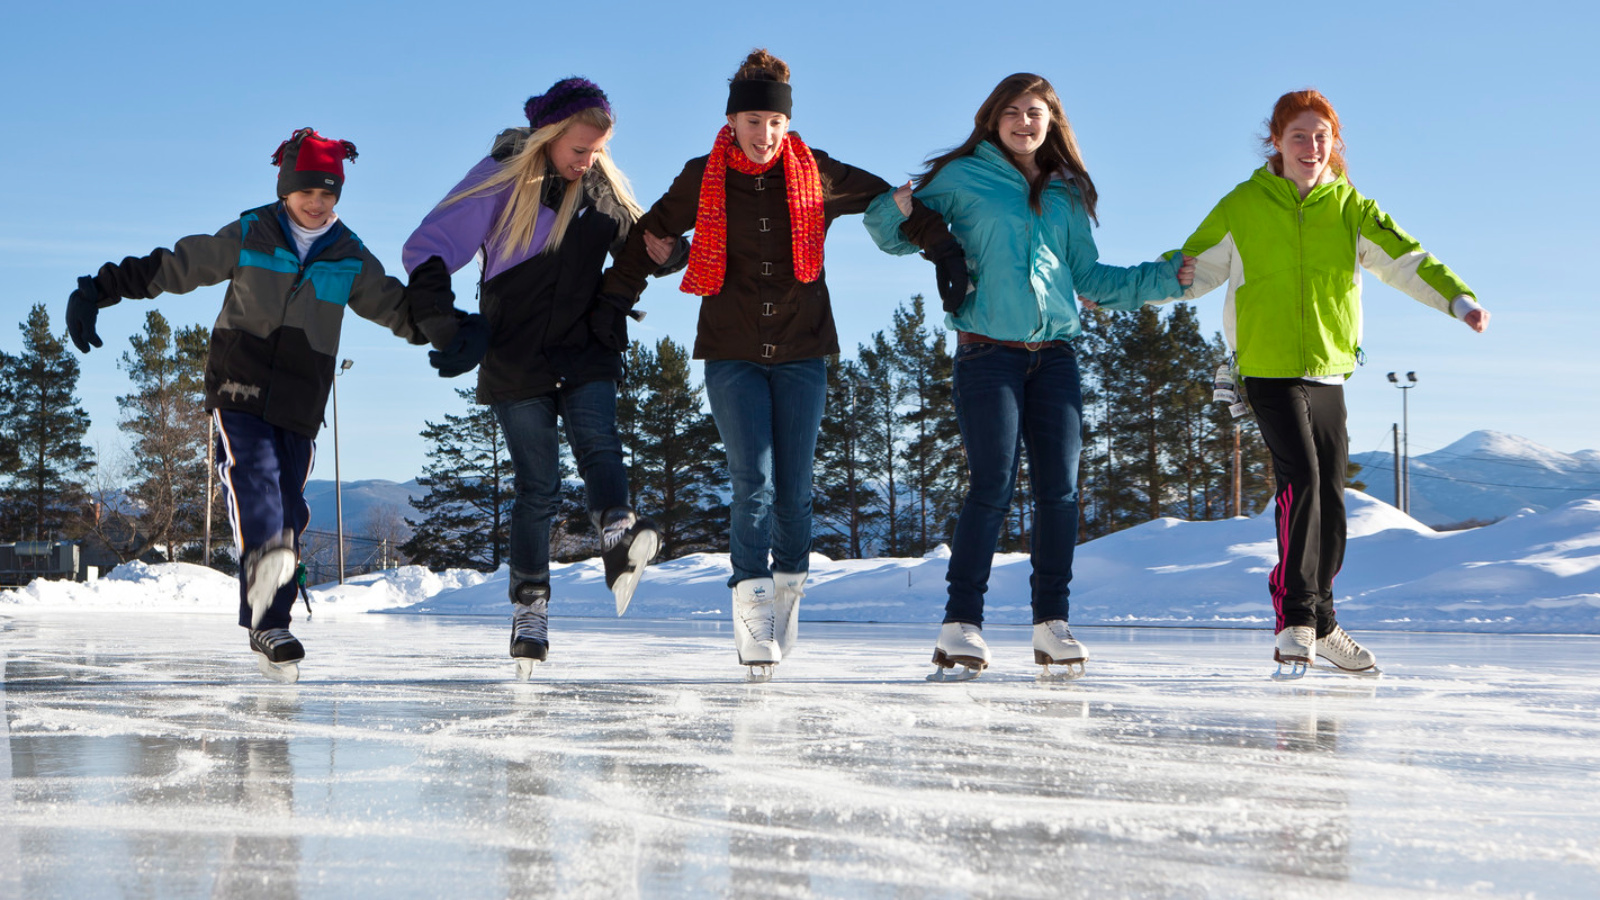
(83, 309)
(950, 270)
(902, 198)
(659, 248)
(1186, 272)
(466, 351)
(608, 321)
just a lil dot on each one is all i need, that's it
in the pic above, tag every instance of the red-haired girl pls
(1291, 243)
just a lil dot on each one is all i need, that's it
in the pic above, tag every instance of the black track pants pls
(1303, 424)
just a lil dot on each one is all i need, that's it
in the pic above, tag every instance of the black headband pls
(759, 96)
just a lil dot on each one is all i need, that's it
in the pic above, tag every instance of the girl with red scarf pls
(760, 205)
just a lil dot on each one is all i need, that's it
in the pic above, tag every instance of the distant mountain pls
(361, 499)
(1486, 475)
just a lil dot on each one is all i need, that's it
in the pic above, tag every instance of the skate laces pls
(1340, 643)
(273, 638)
(530, 621)
(1058, 628)
(760, 626)
(616, 527)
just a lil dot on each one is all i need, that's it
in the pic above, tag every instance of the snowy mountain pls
(361, 500)
(1486, 475)
(1531, 572)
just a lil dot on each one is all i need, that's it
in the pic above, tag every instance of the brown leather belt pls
(967, 337)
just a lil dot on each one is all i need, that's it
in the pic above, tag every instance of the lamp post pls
(1403, 491)
(338, 485)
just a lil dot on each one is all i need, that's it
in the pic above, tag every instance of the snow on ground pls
(1528, 573)
(150, 760)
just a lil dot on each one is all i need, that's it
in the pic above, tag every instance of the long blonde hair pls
(527, 168)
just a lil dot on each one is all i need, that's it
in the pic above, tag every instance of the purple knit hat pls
(565, 98)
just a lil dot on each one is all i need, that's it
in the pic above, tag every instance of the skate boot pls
(627, 544)
(268, 568)
(791, 586)
(278, 654)
(960, 644)
(1341, 649)
(754, 631)
(1295, 646)
(1053, 644)
(530, 626)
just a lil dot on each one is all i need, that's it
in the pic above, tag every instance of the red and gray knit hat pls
(308, 160)
(566, 98)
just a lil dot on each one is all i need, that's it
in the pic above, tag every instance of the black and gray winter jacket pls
(274, 343)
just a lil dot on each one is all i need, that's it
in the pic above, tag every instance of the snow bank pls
(1528, 573)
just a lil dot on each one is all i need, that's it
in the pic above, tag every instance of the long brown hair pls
(1286, 109)
(1060, 150)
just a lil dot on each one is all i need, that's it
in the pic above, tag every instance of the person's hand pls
(83, 309)
(1086, 303)
(902, 198)
(465, 351)
(659, 248)
(1477, 320)
(950, 270)
(1186, 272)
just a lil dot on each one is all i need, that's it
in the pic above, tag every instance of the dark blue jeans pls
(1007, 399)
(263, 469)
(768, 417)
(590, 413)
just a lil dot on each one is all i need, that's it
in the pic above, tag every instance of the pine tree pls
(935, 464)
(166, 418)
(678, 470)
(467, 510)
(844, 506)
(41, 435)
(881, 395)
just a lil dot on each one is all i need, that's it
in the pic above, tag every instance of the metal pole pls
(1238, 477)
(1405, 416)
(338, 483)
(1397, 485)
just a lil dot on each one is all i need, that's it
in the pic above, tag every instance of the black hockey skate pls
(627, 544)
(278, 654)
(267, 569)
(530, 627)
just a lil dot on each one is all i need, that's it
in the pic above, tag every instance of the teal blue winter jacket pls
(1027, 268)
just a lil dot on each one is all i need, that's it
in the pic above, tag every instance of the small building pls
(24, 561)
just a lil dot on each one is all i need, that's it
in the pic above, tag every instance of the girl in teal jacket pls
(1291, 243)
(1018, 201)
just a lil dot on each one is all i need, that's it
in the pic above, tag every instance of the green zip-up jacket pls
(1293, 268)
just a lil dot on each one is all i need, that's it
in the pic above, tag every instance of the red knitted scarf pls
(708, 254)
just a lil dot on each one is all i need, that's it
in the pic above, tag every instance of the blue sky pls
(129, 126)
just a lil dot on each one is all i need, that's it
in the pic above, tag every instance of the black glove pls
(83, 308)
(950, 270)
(466, 351)
(608, 321)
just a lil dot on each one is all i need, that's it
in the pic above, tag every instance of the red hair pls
(1286, 109)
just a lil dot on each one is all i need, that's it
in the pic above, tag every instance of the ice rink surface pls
(141, 755)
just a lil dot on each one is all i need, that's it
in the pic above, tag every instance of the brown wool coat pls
(763, 314)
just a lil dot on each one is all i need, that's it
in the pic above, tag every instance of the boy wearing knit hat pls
(292, 267)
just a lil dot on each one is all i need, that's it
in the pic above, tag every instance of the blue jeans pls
(768, 417)
(263, 470)
(1006, 399)
(590, 413)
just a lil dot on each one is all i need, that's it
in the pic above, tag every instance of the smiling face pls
(759, 133)
(310, 209)
(1306, 148)
(576, 149)
(1024, 123)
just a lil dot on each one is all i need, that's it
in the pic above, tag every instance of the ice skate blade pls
(282, 673)
(640, 552)
(1069, 671)
(943, 673)
(271, 571)
(525, 666)
(760, 673)
(1297, 669)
